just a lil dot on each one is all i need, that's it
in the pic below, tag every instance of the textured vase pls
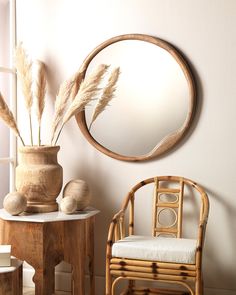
(39, 177)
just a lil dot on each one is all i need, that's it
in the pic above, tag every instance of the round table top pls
(49, 217)
(15, 263)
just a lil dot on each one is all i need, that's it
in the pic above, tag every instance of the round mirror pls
(153, 103)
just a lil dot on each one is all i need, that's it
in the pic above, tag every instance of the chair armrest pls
(115, 221)
(116, 231)
(201, 234)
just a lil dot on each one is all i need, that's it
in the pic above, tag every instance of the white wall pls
(62, 33)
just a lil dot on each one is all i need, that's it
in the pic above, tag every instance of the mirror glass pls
(151, 100)
(154, 101)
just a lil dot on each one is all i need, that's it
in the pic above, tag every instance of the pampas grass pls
(73, 96)
(39, 93)
(77, 79)
(8, 118)
(67, 90)
(107, 95)
(24, 73)
(87, 92)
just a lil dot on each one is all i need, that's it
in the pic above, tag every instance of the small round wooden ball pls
(79, 190)
(68, 205)
(15, 203)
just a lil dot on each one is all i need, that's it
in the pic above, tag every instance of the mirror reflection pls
(151, 101)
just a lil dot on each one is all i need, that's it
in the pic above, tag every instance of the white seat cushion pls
(156, 249)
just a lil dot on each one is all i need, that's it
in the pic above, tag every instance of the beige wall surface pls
(62, 33)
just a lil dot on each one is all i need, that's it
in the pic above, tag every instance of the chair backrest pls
(168, 196)
(167, 199)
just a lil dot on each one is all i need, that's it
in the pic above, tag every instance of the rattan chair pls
(165, 256)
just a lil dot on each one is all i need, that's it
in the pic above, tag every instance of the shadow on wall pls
(226, 239)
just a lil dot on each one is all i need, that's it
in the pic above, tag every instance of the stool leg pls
(78, 287)
(6, 284)
(11, 282)
(17, 284)
(91, 275)
(44, 280)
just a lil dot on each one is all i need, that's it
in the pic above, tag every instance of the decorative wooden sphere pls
(68, 205)
(15, 203)
(79, 190)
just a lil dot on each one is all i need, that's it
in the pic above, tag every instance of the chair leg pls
(108, 281)
(108, 285)
(199, 290)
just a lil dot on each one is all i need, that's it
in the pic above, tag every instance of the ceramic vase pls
(39, 177)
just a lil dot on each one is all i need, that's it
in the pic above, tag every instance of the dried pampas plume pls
(77, 79)
(107, 95)
(24, 67)
(39, 93)
(67, 90)
(8, 118)
(87, 91)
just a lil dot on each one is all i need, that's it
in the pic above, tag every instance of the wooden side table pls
(11, 278)
(45, 239)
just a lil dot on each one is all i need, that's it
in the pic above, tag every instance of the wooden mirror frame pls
(168, 141)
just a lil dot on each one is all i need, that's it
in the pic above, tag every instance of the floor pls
(30, 291)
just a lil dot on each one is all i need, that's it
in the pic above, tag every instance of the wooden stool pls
(51, 238)
(11, 278)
